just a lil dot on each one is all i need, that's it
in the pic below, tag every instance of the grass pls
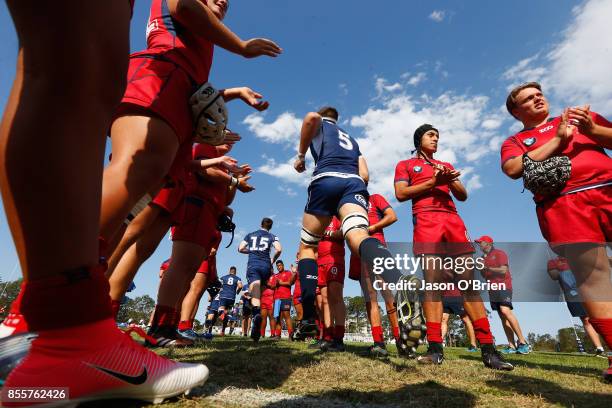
(284, 374)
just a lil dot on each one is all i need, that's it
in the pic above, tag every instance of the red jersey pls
(167, 38)
(497, 258)
(416, 171)
(559, 264)
(283, 292)
(330, 250)
(178, 170)
(591, 166)
(376, 211)
(215, 193)
(267, 296)
(297, 289)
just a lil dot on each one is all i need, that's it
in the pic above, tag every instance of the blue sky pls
(389, 67)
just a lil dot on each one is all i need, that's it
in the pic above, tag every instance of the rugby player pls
(245, 299)
(267, 307)
(232, 285)
(576, 222)
(440, 233)
(452, 304)
(257, 245)
(283, 281)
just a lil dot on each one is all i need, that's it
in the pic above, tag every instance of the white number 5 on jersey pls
(345, 141)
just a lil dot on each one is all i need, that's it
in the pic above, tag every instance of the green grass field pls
(285, 374)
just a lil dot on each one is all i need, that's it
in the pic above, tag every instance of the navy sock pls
(372, 251)
(307, 268)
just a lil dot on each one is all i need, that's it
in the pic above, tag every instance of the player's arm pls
(502, 270)
(196, 17)
(310, 127)
(458, 189)
(363, 169)
(277, 250)
(243, 247)
(239, 287)
(513, 167)
(389, 217)
(247, 95)
(601, 133)
(404, 191)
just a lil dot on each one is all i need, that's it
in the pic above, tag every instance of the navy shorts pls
(327, 194)
(576, 309)
(226, 303)
(500, 298)
(214, 306)
(246, 311)
(258, 273)
(453, 305)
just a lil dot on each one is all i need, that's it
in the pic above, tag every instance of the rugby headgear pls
(209, 115)
(420, 131)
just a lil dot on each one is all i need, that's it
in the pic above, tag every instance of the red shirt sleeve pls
(204, 151)
(552, 264)
(600, 120)
(502, 258)
(510, 149)
(401, 172)
(380, 202)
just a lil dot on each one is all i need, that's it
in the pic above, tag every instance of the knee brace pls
(355, 220)
(309, 239)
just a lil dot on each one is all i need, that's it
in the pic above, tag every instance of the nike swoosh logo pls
(134, 380)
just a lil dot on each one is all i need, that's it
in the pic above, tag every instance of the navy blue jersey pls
(259, 244)
(214, 304)
(245, 302)
(334, 151)
(230, 286)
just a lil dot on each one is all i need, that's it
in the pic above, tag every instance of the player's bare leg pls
(134, 230)
(326, 322)
(184, 262)
(134, 257)
(70, 79)
(590, 331)
(190, 305)
(338, 314)
(143, 150)
(469, 329)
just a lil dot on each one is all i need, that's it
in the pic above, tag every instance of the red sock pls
(185, 325)
(290, 332)
(263, 332)
(434, 332)
(604, 328)
(115, 305)
(279, 332)
(328, 333)
(338, 332)
(483, 331)
(377, 334)
(164, 316)
(16, 305)
(396, 332)
(67, 299)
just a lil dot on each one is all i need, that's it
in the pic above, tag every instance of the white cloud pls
(492, 124)
(383, 86)
(437, 15)
(417, 79)
(287, 190)
(576, 70)
(473, 183)
(286, 172)
(286, 127)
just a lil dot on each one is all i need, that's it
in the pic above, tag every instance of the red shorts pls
(209, 268)
(267, 303)
(162, 88)
(170, 199)
(297, 300)
(440, 233)
(355, 268)
(198, 223)
(585, 216)
(331, 272)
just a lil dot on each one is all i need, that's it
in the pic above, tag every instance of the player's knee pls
(309, 239)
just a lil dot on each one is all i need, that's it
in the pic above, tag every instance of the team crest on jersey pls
(417, 169)
(334, 271)
(151, 27)
(529, 141)
(361, 199)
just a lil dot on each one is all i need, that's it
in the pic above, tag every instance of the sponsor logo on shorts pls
(417, 169)
(362, 200)
(529, 141)
(152, 26)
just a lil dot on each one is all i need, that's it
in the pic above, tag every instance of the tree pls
(356, 314)
(139, 308)
(542, 342)
(8, 293)
(457, 335)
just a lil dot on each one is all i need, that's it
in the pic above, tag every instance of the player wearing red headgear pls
(439, 232)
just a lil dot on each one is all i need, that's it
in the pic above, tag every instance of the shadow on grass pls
(552, 392)
(424, 395)
(523, 362)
